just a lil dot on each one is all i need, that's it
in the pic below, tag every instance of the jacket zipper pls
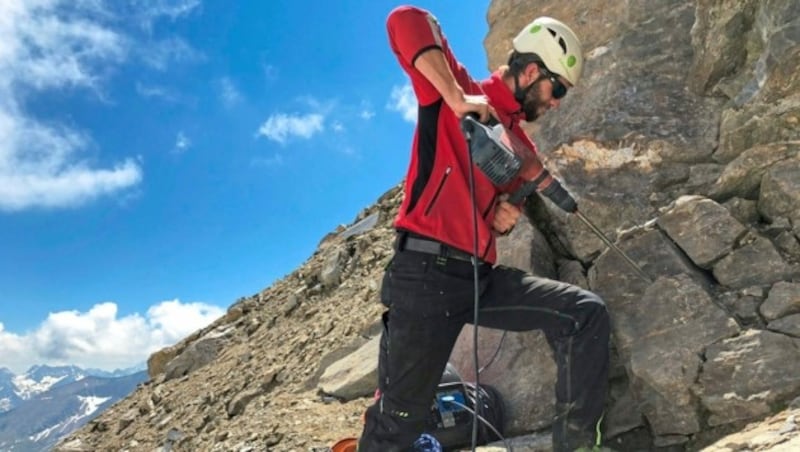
(491, 237)
(489, 207)
(438, 190)
(488, 246)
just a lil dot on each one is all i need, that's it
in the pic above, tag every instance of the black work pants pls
(431, 298)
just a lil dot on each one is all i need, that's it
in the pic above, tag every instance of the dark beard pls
(533, 103)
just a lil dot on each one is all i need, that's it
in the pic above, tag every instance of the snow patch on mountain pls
(88, 406)
(27, 387)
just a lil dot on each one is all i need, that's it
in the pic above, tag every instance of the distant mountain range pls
(46, 403)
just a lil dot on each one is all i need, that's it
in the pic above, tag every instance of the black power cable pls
(451, 399)
(476, 290)
(496, 352)
(467, 129)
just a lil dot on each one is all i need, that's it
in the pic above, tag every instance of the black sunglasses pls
(559, 89)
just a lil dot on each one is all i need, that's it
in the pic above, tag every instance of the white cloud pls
(43, 50)
(155, 91)
(51, 45)
(159, 54)
(150, 11)
(280, 127)
(182, 142)
(366, 111)
(228, 92)
(337, 126)
(402, 100)
(100, 339)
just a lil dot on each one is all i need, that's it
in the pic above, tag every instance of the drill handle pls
(526, 189)
(522, 192)
(553, 191)
(467, 122)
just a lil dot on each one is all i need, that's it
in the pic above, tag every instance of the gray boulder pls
(744, 376)
(705, 230)
(756, 263)
(783, 299)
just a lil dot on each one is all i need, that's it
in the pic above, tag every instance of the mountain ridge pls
(53, 401)
(40, 378)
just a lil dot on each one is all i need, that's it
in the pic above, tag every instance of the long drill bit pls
(608, 242)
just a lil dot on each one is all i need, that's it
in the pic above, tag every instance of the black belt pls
(411, 242)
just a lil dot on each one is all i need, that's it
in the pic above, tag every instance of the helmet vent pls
(561, 41)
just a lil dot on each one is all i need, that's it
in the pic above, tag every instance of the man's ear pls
(532, 72)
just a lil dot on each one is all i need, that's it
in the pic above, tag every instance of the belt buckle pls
(443, 256)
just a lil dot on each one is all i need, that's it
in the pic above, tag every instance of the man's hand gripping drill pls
(503, 160)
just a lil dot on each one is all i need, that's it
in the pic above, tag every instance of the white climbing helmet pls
(556, 44)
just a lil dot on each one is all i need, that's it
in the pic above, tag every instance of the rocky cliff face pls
(681, 144)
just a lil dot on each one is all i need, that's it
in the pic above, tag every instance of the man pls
(428, 286)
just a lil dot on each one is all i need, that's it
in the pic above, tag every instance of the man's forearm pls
(434, 67)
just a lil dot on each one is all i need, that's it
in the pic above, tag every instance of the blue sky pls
(160, 159)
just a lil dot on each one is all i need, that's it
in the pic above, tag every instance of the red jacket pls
(437, 201)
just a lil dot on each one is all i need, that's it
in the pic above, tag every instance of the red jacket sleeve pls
(412, 31)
